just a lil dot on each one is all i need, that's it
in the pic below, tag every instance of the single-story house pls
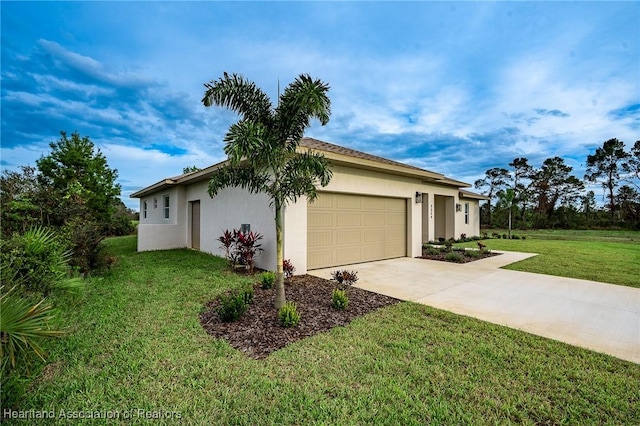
(372, 209)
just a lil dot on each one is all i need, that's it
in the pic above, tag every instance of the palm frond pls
(302, 175)
(240, 95)
(244, 139)
(21, 326)
(301, 101)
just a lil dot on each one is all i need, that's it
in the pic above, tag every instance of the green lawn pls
(135, 343)
(605, 256)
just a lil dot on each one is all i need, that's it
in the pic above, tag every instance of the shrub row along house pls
(372, 209)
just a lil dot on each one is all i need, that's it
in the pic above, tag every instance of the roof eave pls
(472, 195)
(192, 177)
(153, 188)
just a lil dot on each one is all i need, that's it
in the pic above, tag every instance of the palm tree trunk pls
(280, 296)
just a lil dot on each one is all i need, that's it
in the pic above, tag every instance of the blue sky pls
(456, 88)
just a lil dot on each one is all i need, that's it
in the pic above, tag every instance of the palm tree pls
(506, 200)
(262, 146)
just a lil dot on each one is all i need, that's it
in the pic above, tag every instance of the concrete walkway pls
(593, 315)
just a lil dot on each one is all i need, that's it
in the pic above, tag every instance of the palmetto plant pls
(262, 146)
(22, 325)
(37, 260)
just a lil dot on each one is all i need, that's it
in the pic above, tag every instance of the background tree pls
(494, 180)
(83, 202)
(262, 146)
(190, 169)
(629, 201)
(522, 171)
(588, 207)
(25, 202)
(553, 184)
(505, 201)
(605, 166)
(79, 174)
(631, 166)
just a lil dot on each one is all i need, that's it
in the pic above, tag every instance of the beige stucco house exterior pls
(372, 209)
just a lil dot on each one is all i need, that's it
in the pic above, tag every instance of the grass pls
(135, 343)
(604, 256)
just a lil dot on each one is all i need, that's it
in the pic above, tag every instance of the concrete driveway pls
(593, 315)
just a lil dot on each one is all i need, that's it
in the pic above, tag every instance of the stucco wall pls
(229, 209)
(473, 228)
(157, 233)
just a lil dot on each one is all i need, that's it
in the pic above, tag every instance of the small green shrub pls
(495, 235)
(268, 279)
(36, 260)
(515, 237)
(121, 224)
(85, 240)
(524, 237)
(234, 304)
(505, 237)
(454, 257)
(339, 299)
(247, 294)
(288, 315)
(429, 250)
(449, 244)
(473, 253)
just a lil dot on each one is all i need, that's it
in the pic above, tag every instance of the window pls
(166, 207)
(155, 203)
(144, 209)
(466, 213)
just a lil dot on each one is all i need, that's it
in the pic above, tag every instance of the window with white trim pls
(144, 209)
(166, 207)
(466, 213)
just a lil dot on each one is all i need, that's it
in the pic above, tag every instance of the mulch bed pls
(258, 333)
(465, 259)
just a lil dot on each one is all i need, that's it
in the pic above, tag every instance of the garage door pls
(344, 229)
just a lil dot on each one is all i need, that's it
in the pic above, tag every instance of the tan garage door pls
(344, 229)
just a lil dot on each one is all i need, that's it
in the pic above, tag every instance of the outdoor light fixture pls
(418, 197)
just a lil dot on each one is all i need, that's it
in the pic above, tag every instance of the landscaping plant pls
(267, 279)
(288, 315)
(344, 278)
(339, 299)
(453, 256)
(227, 240)
(247, 248)
(234, 304)
(241, 248)
(448, 244)
(288, 268)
